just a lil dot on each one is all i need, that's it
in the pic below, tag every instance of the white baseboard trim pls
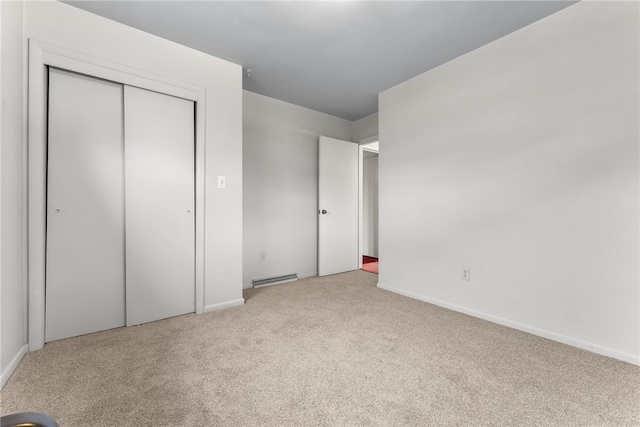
(6, 374)
(223, 305)
(594, 348)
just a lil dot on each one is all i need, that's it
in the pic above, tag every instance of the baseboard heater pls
(258, 283)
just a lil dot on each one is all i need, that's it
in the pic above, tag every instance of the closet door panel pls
(85, 212)
(159, 200)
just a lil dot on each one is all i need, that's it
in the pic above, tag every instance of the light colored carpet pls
(332, 351)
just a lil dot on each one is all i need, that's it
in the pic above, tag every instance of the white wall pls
(370, 205)
(12, 214)
(280, 212)
(520, 161)
(365, 127)
(65, 26)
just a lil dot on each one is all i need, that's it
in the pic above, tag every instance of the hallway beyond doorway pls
(370, 264)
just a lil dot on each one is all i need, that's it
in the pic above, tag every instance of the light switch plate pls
(222, 181)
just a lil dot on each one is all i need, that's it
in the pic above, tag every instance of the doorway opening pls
(370, 264)
(368, 200)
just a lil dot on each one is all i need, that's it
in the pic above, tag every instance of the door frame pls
(41, 56)
(362, 147)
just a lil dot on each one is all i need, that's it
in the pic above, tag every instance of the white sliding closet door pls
(85, 212)
(159, 205)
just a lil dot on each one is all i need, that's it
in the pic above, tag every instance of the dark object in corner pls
(27, 419)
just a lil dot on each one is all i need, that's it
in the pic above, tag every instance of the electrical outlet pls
(263, 256)
(466, 273)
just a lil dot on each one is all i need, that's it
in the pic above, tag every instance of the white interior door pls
(85, 230)
(337, 206)
(160, 200)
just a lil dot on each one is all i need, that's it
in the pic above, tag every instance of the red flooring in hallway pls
(370, 264)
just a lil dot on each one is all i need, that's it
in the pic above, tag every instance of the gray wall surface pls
(12, 155)
(519, 160)
(366, 127)
(280, 168)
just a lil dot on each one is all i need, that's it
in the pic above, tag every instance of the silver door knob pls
(323, 212)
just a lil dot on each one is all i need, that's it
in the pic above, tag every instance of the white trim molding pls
(574, 342)
(41, 56)
(362, 147)
(223, 305)
(305, 275)
(6, 374)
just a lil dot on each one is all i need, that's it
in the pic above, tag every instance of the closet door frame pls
(41, 56)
